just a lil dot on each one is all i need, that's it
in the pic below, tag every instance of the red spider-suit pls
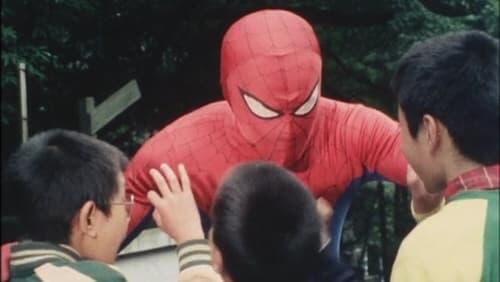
(271, 80)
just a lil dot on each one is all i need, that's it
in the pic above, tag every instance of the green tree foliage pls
(78, 48)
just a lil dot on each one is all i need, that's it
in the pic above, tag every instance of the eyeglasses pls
(128, 203)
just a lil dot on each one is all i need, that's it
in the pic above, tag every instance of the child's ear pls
(432, 132)
(87, 219)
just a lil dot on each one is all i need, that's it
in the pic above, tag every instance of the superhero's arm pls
(181, 142)
(138, 179)
(374, 140)
(138, 184)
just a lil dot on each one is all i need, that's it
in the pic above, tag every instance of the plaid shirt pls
(481, 178)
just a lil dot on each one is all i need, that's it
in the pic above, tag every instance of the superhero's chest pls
(328, 181)
(323, 179)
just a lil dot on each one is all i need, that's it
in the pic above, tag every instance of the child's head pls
(71, 190)
(265, 225)
(447, 88)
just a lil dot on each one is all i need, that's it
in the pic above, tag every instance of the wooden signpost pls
(93, 118)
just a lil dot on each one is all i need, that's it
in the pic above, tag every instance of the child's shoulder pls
(80, 271)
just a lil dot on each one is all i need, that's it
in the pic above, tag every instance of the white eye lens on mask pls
(309, 104)
(258, 108)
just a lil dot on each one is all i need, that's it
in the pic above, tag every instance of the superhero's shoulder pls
(213, 113)
(203, 122)
(342, 107)
(340, 112)
(188, 133)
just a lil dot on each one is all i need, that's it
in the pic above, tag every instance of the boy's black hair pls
(54, 173)
(454, 78)
(266, 225)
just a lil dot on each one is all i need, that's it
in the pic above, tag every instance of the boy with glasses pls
(75, 211)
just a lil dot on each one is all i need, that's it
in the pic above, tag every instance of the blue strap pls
(342, 208)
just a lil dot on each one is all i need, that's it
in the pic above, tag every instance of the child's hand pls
(175, 212)
(425, 199)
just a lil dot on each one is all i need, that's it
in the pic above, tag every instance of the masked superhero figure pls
(273, 110)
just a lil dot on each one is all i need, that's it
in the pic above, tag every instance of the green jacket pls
(41, 261)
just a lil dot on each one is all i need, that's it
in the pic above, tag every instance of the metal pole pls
(23, 100)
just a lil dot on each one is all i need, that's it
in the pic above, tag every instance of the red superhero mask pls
(271, 77)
